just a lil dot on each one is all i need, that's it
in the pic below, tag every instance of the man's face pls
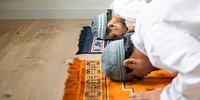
(117, 30)
(116, 27)
(137, 67)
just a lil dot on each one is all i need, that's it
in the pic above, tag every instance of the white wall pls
(52, 9)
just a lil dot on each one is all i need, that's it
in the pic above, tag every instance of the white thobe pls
(128, 9)
(168, 32)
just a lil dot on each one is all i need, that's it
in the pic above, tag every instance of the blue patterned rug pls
(88, 44)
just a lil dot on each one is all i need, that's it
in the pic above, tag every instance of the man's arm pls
(128, 9)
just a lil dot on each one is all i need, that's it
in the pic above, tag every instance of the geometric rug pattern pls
(86, 81)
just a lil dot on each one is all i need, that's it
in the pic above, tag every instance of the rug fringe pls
(71, 84)
(82, 39)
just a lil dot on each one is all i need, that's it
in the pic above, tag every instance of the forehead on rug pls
(87, 81)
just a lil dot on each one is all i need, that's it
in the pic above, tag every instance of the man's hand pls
(148, 95)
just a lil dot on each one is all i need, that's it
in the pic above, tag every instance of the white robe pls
(168, 32)
(128, 9)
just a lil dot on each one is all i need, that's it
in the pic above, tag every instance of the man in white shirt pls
(167, 36)
(113, 23)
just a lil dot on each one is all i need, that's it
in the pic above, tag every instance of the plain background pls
(52, 9)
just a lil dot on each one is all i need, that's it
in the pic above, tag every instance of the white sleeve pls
(179, 48)
(180, 52)
(186, 85)
(176, 47)
(146, 1)
(128, 9)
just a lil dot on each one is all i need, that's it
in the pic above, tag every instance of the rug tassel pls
(82, 38)
(71, 84)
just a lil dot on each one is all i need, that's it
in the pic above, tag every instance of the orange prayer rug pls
(86, 81)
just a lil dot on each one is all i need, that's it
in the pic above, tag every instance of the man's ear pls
(129, 62)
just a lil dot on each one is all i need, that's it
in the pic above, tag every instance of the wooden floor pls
(34, 55)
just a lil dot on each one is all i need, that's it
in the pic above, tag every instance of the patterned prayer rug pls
(87, 82)
(88, 44)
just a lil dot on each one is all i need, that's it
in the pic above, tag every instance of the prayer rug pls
(87, 82)
(89, 44)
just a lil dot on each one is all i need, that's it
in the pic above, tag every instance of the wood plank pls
(33, 54)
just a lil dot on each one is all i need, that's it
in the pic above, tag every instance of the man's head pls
(122, 62)
(108, 26)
